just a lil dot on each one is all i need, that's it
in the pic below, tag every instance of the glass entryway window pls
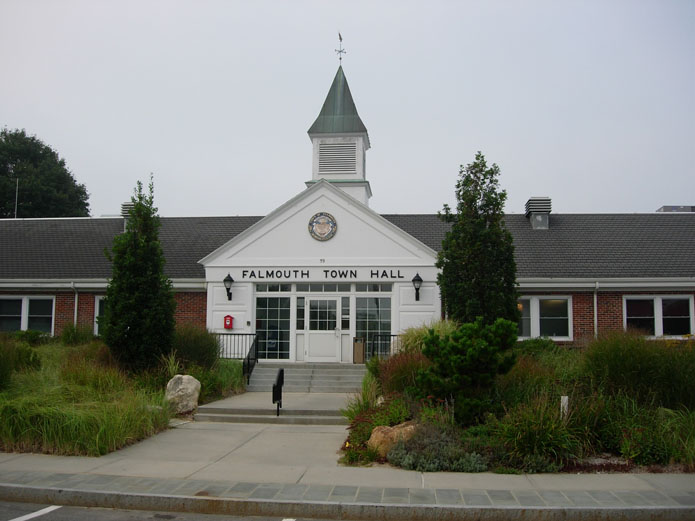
(273, 327)
(374, 320)
(322, 315)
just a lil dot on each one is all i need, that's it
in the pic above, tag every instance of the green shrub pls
(435, 449)
(15, 356)
(651, 371)
(6, 366)
(31, 337)
(196, 346)
(398, 373)
(465, 364)
(73, 335)
(534, 346)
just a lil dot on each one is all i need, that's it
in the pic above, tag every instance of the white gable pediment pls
(363, 237)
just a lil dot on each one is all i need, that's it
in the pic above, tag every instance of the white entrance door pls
(323, 333)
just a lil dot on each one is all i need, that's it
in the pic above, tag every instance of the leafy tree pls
(465, 363)
(138, 321)
(46, 187)
(477, 270)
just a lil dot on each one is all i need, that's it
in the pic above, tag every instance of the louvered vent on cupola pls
(538, 212)
(337, 158)
(126, 208)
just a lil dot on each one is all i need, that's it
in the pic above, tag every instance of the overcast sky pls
(589, 102)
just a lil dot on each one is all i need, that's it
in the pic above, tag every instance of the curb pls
(328, 510)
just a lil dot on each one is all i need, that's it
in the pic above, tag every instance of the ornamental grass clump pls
(74, 404)
(537, 437)
(651, 371)
(196, 345)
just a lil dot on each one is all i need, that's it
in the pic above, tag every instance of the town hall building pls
(324, 268)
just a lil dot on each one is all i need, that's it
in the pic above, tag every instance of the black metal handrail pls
(250, 361)
(383, 346)
(235, 345)
(277, 389)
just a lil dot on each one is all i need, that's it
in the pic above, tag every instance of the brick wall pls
(85, 310)
(582, 316)
(191, 308)
(64, 311)
(610, 311)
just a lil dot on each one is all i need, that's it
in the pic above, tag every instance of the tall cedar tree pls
(46, 187)
(477, 270)
(138, 322)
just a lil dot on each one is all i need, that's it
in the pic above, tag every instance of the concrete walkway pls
(292, 470)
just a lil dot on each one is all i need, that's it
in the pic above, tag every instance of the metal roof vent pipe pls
(538, 212)
(126, 208)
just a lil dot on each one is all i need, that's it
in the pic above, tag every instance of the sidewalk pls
(292, 470)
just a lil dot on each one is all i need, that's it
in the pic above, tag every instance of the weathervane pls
(340, 51)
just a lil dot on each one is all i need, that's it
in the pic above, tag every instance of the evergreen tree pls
(34, 174)
(465, 364)
(138, 321)
(477, 269)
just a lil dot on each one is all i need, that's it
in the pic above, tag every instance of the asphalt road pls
(34, 512)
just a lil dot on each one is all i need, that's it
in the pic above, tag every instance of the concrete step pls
(305, 377)
(283, 419)
(268, 411)
(306, 388)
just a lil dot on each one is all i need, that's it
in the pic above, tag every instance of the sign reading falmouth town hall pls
(289, 274)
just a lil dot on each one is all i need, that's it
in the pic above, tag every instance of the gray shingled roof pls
(581, 246)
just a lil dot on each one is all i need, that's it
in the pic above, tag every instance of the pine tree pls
(138, 322)
(478, 271)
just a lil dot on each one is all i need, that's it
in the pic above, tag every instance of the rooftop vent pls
(126, 209)
(538, 212)
(676, 209)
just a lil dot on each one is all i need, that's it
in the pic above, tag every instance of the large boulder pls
(384, 438)
(182, 393)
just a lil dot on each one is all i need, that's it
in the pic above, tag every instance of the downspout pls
(77, 300)
(596, 309)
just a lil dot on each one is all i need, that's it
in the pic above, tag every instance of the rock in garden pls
(182, 393)
(384, 438)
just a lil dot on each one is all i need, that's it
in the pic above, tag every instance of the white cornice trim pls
(606, 284)
(86, 284)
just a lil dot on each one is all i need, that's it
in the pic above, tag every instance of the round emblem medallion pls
(322, 226)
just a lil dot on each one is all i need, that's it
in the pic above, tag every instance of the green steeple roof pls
(338, 114)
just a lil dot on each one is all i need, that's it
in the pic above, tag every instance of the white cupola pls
(340, 142)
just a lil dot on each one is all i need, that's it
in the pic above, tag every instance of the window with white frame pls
(27, 312)
(545, 316)
(99, 307)
(659, 315)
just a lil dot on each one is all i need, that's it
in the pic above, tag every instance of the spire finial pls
(340, 51)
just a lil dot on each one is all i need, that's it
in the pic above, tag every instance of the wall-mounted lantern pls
(417, 284)
(228, 281)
